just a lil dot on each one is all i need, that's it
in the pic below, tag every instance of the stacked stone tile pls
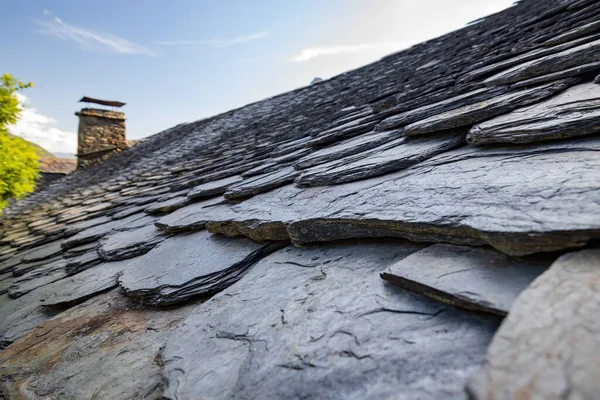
(242, 256)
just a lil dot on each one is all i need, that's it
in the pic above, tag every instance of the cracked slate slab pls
(575, 112)
(579, 55)
(471, 195)
(261, 183)
(393, 156)
(549, 345)
(346, 148)
(48, 273)
(103, 348)
(474, 278)
(130, 243)
(477, 112)
(196, 264)
(319, 323)
(213, 188)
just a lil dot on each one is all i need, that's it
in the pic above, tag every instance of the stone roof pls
(55, 165)
(363, 237)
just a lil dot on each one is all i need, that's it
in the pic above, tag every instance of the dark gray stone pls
(584, 69)
(93, 234)
(42, 252)
(103, 349)
(474, 278)
(481, 111)
(214, 188)
(39, 277)
(293, 156)
(575, 112)
(190, 265)
(347, 148)
(261, 183)
(348, 130)
(549, 345)
(81, 263)
(186, 218)
(25, 268)
(579, 55)
(269, 166)
(467, 196)
(128, 244)
(574, 33)
(167, 206)
(318, 323)
(393, 156)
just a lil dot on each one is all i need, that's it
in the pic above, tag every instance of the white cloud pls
(88, 39)
(383, 48)
(216, 42)
(39, 129)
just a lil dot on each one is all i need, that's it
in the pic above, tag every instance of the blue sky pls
(182, 60)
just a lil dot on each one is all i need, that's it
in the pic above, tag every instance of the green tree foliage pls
(19, 167)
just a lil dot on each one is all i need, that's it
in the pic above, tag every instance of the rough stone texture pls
(575, 112)
(472, 196)
(42, 276)
(483, 110)
(101, 349)
(186, 218)
(261, 183)
(130, 243)
(213, 188)
(347, 148)
(393, 156)
(197, 264)
(319, 323)
(549, 346)
(579, 55)
(479, 279)
(101, 134)
(585, 69)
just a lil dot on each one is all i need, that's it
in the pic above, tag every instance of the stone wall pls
(101, 134)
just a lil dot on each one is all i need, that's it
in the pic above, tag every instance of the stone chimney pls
(101, 134)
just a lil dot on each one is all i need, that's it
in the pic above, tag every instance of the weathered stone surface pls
(585, 70)
(393, 156)
(190, 265)
(213, 188)
(41, 252)
(130, 243)
(319, 323)
(51, 272)
(189, 218)
(261, 183)
(346, 148)
(80, 263)
(167, 206)
(574, 33)
(579, 55)
(24, 268)
(348, 130)
(466, 196)
(269, 166)
(549, 345)
(293, 156)
(103, 348)
(481, 111)
(93, 234)
(474, 278)
(429, 110)
(575, 112)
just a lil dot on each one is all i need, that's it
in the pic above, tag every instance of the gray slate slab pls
(261, 183)
(549, 345)
(190, 265)
(94, 233)
(346, 148)
(583, 70)
(474, 278)
(579, 55)
(518, 199)
(319, 323)
(213, 188)
(188, 218)
(393, 156)
(130, 243)
(39, 277)
(104, 348)
(167, 206)
(477, 112)
(575, 112)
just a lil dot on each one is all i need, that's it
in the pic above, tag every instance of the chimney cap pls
(111, 103)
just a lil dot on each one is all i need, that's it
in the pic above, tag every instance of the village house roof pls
(421, 227)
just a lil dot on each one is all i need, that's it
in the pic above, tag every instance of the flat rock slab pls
(345, 131)
(103, 348)
(167, 206)
(213, 188)
(346, 148)
(261, 183)
(94, 233)
(477, 112)
(319, 323)
(42, 276)
(129, 244)
(393, 156)
(584, 70)
(479, 279)
(575, 112)
(190, 265)
(549, 345)
(579, 55)
(519, 199)
(188, 218)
